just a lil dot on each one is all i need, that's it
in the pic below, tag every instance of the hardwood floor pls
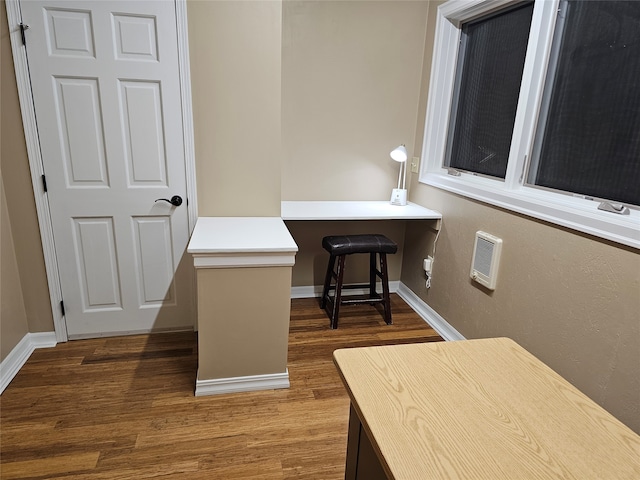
(124, 408)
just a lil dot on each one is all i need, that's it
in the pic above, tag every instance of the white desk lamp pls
(399, 195)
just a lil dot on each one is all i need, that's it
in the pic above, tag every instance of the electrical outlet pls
(427, 264)
(415, 161)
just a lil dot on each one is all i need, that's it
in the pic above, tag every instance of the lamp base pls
(399, 196)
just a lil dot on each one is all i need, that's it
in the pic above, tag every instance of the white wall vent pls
(486, 256)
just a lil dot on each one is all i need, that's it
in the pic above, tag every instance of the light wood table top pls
(481, 409)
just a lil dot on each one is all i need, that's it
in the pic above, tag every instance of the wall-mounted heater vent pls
(486, 256)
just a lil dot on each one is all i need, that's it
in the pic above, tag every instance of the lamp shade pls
(399, 154)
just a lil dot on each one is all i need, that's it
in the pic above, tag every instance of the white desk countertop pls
(239, 237)
(355, 210)
(220, 235)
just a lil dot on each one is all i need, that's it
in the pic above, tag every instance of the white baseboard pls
(12, 364)
(311, 291)
(249, 383)
(429, 315)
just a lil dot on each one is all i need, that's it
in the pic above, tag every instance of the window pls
(535, 107)
(588, 139)
(488, 75)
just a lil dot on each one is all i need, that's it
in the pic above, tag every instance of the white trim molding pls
(239, 260)
(249, 383)
(457, 11)
(429, 315)
(13, 362)
(187, 111)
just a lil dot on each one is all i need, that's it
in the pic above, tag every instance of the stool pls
(339, 247)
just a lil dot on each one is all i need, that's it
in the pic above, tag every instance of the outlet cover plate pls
(415, 162)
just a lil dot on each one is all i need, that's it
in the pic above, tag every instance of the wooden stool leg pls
(338, 293)
(327, 281)
(372, 275)
(385, 288)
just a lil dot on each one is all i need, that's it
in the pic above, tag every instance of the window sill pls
(570, 212)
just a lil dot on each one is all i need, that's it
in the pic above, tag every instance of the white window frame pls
(512, 193)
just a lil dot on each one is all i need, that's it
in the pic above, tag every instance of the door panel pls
(136, 37)
(106, 92)
(154, 259)
(141, 107)
(99, 276)
(80, 126)
(69, 32)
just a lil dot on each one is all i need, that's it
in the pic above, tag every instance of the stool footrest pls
(350, 286)
(359, 301)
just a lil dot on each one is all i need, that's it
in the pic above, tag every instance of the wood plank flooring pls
(124, 408)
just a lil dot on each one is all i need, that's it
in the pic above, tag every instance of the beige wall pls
(570, 299)
(243, 321)
(13, 317)
(351, 73)
(20, 224)
(236, 80)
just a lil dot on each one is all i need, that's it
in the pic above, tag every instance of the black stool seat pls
(339, 246)
(348, 244)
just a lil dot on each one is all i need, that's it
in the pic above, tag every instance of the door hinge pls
(62, 307)
(44, 183)
(23, 28)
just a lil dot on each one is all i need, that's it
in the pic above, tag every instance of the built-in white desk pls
(355, 210)
(244, 282)
(309, 221)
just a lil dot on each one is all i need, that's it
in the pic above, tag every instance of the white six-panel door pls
(106, 91)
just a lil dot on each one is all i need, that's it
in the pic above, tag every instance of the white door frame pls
(35, 157)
